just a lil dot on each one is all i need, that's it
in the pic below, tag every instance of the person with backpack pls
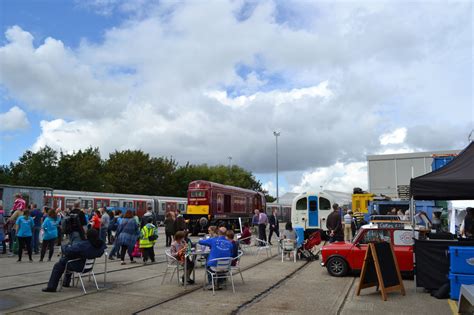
(50, 229)
(148, 237)
(74, 224)
(25, 226)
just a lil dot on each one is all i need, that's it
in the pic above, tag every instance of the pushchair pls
(308, 249)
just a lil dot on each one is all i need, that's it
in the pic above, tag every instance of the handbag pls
(136, 251)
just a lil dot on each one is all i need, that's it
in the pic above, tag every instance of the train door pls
(220, 203)
(58, 202)
(227, 203)
(140, 207)
(313, 211)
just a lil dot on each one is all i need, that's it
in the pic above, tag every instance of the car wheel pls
(337, 267)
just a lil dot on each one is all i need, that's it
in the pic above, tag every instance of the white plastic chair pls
(222, 270)
(288, 246)
(264, 246)
(87, 269)
(236, 268)
(172, 263)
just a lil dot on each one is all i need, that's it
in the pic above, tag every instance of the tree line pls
(127, 171)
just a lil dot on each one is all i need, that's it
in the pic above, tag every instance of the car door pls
(359, 249)
(357, 253)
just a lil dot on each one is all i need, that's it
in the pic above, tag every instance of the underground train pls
(64, 199)
(160, 205)
(213, 204)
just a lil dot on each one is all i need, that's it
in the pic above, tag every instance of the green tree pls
(36, 168)
(130, 172)
(5, 174)
(81, 170)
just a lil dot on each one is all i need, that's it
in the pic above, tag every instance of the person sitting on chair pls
(92, 247)
(220, 248)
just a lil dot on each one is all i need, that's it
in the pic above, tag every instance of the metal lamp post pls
(276, 134)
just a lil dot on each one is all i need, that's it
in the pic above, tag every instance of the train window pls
(86, 204)
(70, 203)
(198, 193)
(313, 205)
(181, 207)
(302, 204)
(114, 203)
(324, 204)
(163, 206)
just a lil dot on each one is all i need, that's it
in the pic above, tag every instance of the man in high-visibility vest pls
(148, 237)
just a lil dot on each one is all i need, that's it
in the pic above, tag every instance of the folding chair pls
(222, 270)
(244, 246)
(288, 246)
(87, 269)
(236, 268)
(266, 246)
(172, 263)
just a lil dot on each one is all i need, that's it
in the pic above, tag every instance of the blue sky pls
(65, 20)
(204, 80)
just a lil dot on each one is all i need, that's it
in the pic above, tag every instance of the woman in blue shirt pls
(50, 233)
(25, 231)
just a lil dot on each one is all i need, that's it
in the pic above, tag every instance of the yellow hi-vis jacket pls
(145, 233)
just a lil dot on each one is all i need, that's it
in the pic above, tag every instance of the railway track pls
(188, 292)
(241, 308)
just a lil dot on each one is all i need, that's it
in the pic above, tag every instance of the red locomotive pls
(212, 204)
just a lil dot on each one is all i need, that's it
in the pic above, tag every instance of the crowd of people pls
(85, 233)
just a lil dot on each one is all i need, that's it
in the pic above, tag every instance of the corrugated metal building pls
(390, 174)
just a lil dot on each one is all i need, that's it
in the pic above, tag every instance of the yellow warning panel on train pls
(192, 209)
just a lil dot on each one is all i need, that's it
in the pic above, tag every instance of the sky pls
(200, 81)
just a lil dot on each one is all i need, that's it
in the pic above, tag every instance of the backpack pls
(70, 223)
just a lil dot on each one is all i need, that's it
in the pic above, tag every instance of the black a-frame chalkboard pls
(381, 270)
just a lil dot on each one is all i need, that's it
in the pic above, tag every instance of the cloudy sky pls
(204, 80)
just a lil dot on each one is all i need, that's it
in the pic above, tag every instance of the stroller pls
(309, 250)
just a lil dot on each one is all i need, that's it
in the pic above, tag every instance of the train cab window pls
(198, 194)
(324, 204)
(313, 205)
(302, 204)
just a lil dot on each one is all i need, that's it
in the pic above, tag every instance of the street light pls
(276, 134)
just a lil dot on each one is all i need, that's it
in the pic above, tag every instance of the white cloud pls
(395, 137)
(14, 119)
(339, 177)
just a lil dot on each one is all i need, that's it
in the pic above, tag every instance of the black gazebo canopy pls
(454, 181)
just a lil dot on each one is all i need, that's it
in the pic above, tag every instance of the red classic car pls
(342, 257)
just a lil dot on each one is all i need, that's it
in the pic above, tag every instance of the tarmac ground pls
(271, 287)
